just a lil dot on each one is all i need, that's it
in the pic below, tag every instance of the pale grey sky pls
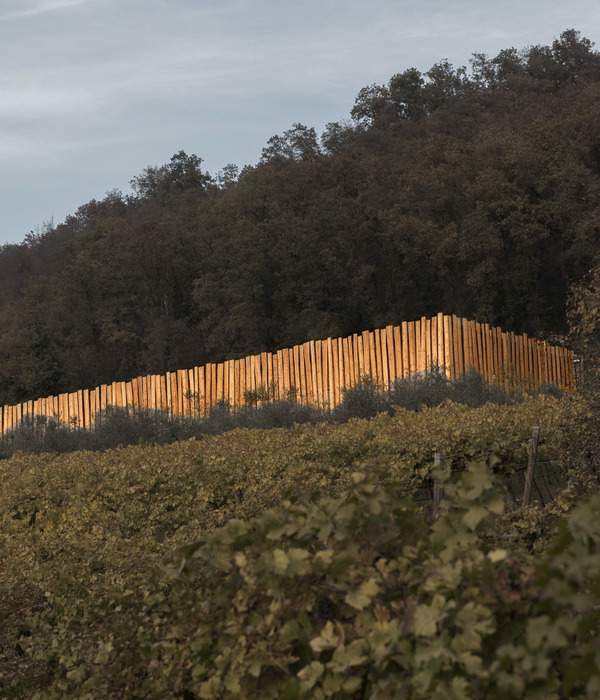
(94, 91)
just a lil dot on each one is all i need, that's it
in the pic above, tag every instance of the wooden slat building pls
(318, 371)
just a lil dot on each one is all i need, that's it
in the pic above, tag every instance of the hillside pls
(294, 563)
(469, 192)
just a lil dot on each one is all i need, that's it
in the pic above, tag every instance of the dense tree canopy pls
(473, 192)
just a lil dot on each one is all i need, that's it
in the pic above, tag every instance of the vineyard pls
(300, 563)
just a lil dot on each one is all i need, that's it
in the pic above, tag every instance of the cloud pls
(40, 8)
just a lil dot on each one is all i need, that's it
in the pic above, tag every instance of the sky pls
(94, 91)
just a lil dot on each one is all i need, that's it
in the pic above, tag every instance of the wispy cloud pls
(39, 8)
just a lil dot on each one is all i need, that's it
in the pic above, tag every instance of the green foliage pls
(302, 578)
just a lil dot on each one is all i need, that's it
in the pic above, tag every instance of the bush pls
(116, 426)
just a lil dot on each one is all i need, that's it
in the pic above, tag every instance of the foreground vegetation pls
(293, 562)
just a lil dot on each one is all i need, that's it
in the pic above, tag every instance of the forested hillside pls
(468, 191)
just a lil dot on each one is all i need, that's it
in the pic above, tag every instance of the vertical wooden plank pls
(63, 409)
(385, 362)
(288, 357)
(363, 343)
(544, 362)
(306, 376)
(213, 385)
(342, 359)
(391, 352)
(171, 393)
(475, 350)
(551, 364)
(156, 391)
(226, 367)
(398, 352)
(229, 388)
(440, 341)
(276, 383)
(168, 395)
(520, 360)
(330, 373)
(122, 394)
(372, 355)
(302, 391)
(295, 372)
(183, 383)
(353, 360)
(457, 350)
(191, 393)
(251, 374)
(195, 389)
(448, 346)
(264, 371)
(73, 417)
(161, 387)
(235, 377)
(147, 391)
(433, 362)
(92, 407)
(520, 355)
(346, 378)
(484, 352)
(135, 392)
(129, 393)
(425, 349)
(204, 379)
(505, 360)
(311, 373)
(478, 355)
(336, 367)
(489, 353)
(177, 392)
(201, 390)
(377, 357)
(319, 370)
(513, 359)
(80, 410)
(270, 374)
(460, 347)
(325, 372)
(417, 346)
(359, 363)
(500, 363)
(467, 344)
(412, 348)
(406, 364)
(524, 361)
(219, 387)
(282, 379)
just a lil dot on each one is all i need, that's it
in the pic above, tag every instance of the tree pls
(181, 173)
(297, 144)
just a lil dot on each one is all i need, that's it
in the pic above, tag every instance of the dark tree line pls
(473, 192)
